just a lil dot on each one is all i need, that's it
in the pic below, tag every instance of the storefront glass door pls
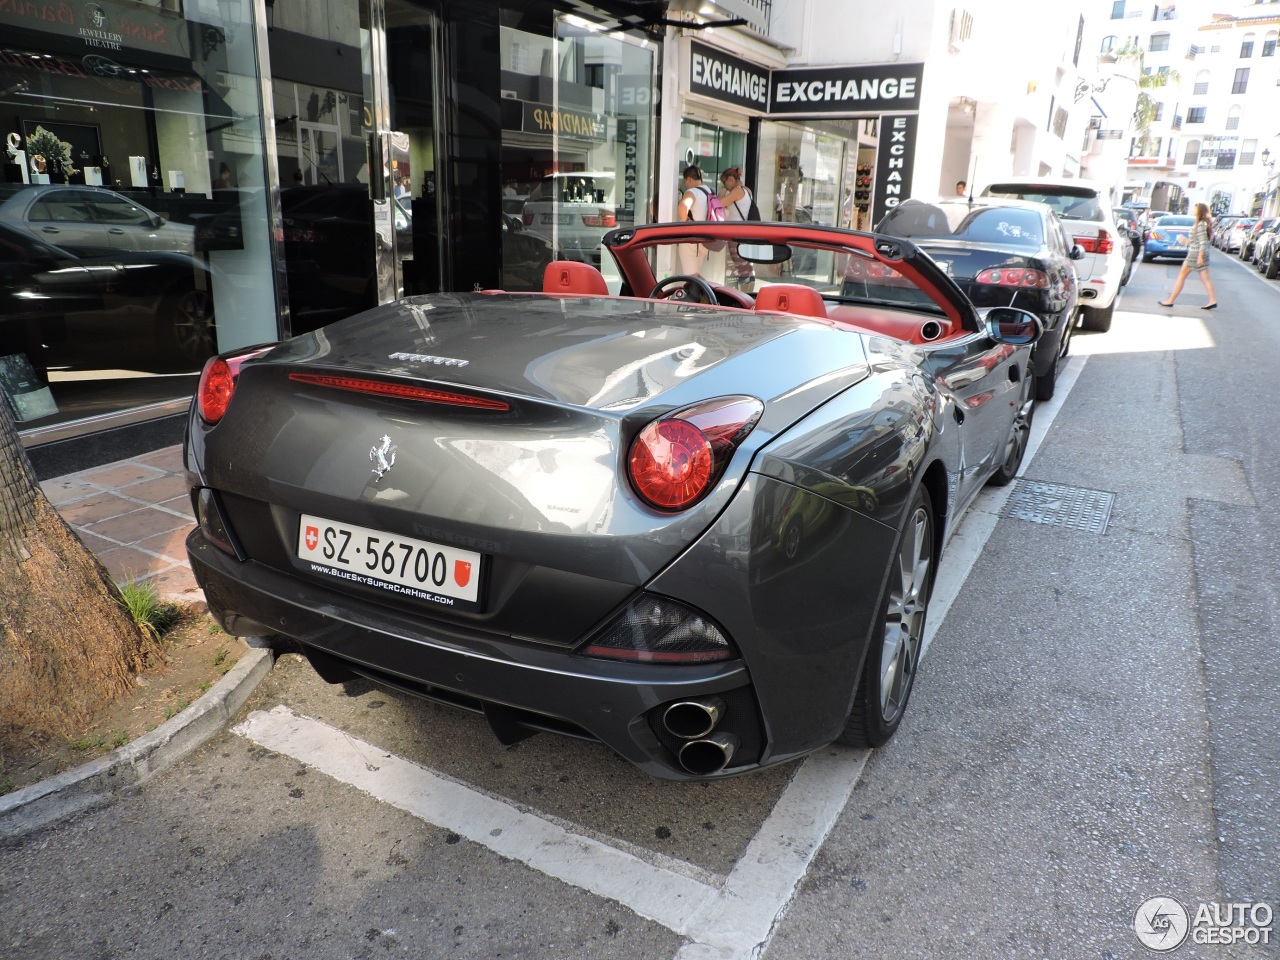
(413, 116)
(134, 233)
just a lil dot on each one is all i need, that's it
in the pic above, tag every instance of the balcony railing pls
(755, 12)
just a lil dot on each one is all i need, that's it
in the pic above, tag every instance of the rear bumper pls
(526, 685)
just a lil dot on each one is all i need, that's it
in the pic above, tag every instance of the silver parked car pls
(91, 221)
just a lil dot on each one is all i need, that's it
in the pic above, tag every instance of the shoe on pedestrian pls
(1210, 306)
(1163, 304)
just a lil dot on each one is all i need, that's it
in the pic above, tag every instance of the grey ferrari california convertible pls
(697, 524)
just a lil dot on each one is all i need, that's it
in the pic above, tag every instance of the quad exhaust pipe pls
(693, 719)
(708, 755)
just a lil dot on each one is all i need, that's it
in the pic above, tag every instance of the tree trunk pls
(67, 646)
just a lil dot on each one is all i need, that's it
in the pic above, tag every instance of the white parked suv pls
(1084, 207)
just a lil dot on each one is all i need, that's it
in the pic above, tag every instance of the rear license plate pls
(563, 219)
(417, 569)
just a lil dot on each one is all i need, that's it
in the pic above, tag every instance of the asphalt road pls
(1094, 726)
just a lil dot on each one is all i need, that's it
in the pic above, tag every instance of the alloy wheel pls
(905, 615)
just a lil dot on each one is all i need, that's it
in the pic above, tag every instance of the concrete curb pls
(94, 783)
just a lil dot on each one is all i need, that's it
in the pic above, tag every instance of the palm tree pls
(1144, 112)
(66, 645)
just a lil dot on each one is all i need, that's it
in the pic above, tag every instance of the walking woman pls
(1197, 259)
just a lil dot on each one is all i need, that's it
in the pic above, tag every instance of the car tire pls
(893, 653)
(1147, 258)
(1015, 447)
(1273, 268)
(1098, 319)
(186, 324)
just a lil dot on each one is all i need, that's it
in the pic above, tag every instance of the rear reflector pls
(655, 629)
(401, 391)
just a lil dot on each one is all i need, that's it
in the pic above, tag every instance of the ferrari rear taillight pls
(675, 460)
(655, 629)
(1102, 243)
(1014, 277)
(401, 391)
(218, 382)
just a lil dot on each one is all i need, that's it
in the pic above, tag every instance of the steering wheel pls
(695, 289)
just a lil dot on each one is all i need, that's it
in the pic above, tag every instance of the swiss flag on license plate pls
(461, 572)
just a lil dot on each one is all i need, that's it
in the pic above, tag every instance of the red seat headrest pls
(791, 298)
(573, 276)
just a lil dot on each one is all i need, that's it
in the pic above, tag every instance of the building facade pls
(192, 176)
(1213, 131)
(199, 175)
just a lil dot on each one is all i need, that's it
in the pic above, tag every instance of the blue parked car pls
(1168, 238)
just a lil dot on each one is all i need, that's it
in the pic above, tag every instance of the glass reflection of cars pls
(89, 220)
(130, 308)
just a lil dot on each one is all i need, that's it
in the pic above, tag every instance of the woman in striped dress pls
(1197, 259)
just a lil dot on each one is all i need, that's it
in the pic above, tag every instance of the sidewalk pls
(135, 515)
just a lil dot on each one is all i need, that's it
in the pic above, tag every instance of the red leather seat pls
(573, 276)
(791, 298)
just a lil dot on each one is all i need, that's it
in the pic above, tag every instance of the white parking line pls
(727, 923)
(661, 895)
(731, 922)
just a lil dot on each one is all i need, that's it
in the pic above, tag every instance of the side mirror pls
(1012, 326)
(1077, 252)
(157, 221)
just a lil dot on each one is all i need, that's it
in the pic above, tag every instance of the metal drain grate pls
(1087, 511)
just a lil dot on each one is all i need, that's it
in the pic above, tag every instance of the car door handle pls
(48, 229)
(115, 230)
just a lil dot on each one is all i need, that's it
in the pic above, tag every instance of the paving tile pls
(177, 583)
(120, 473)
(93, 509)
(95, 543)
(172, 544)
(126, 563)
(162, 488)
(141, 523)
(62, 490)
(180, 505)
(170, 459)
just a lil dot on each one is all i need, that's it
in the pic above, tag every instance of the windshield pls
(1006, 226)
(1175, 221)
(1068, 203)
